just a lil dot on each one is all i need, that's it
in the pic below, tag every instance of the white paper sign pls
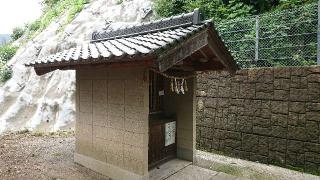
(170, 131)
(161, 93)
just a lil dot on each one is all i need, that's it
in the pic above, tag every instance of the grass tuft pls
(38, 134)
(52, 11)
(228, 169)
(57, 154)
(23, 131)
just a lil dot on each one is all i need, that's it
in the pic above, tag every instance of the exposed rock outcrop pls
(46, 103)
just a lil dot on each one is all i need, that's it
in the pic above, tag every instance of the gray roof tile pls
(151, 42)
(122, 47)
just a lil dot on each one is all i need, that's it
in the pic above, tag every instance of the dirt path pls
(38, 156)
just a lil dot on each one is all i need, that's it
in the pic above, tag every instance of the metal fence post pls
(318, 35)
(256, 55)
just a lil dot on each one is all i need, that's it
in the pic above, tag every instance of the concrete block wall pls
(112, 119)
(270, 115)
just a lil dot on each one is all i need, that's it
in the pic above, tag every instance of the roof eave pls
(217, 45)
(145, 61)
(205, 37)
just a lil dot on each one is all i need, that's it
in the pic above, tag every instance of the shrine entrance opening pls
(171, 119)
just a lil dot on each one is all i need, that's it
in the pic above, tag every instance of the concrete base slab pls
(192, 172)
(109, 170)
(178, 169)
(167, 169)
(223, 176)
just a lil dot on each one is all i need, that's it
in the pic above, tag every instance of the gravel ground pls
(31, 156)
(38, 156)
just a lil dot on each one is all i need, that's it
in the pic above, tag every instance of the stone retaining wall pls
(270, 115)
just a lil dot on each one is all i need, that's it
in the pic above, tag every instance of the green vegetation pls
(17, 33)
(42, 133)
(75, 8)
(240, 171)
(224, 9)
(228, 169)
(38, 133)
(23, 131)
(5, 73)
(34, 26)
(50, 3)
(285, 39)
(55, 8)
(167, 8)
(119, 2)
(57, 154)
(7, 51)
(215, 9)
(52, 9)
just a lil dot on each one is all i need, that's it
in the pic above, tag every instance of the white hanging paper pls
(170, 133)
(181, 86)
(161, 93)
(176, 86)
(172, 86)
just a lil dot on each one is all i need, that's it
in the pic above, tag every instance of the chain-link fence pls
(284, 38)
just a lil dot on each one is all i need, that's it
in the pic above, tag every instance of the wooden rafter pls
(216, 45)
(175, 55)
(199, 44)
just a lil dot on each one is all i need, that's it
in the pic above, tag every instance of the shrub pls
(215, 9)
(167, 8)
(38, 134)
(23, 131)
(119, 2)
(218, 10)
(76, 8)
(5, 73)
(17, 33)
(7, 52)
(52, 10)
(34, 26)
(50, 3)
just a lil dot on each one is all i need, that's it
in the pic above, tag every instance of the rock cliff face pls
(46, 103)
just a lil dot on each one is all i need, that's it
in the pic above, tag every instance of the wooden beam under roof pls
(185, 49)
(140, 63)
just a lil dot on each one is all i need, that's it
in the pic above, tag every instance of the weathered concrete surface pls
(112, 106)
(167, 169)
(248, 169)
(192, 172)
(178, 169)
(270, 115)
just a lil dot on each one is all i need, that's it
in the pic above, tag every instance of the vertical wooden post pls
(318, 35)
(256, 55)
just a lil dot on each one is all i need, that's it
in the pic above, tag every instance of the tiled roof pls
(119, 48)
(182, 20)
(160, 44)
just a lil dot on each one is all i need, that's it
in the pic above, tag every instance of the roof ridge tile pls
(148, 27)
